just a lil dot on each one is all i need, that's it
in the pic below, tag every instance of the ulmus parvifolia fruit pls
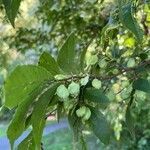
(102, 63)
(96, 83)
(131, 62)
(84, 80)
(74, 88)
(92, 60)
(87, 114)
(81, 111)
(62, 92)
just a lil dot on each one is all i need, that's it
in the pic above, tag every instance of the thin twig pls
(106, 77)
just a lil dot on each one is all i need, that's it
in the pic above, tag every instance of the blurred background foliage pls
(44, 25)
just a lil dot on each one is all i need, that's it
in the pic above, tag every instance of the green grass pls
(59, 140)
(63, 140)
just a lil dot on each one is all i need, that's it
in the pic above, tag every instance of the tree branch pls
(107, 77)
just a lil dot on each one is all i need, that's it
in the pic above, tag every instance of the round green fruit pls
(131, 63)
(62, 92)
(92, 60)
(84, 80)
(102, 63)
(115, 71)
(96, 83)
(81, 111)
(125, 83)
(87, 114)
(74, 88)
(111, 95)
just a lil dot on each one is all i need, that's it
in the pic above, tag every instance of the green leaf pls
(18, 123)
(82, 58)
(48, 62)
(22, 81)
(83, 54)
(130, 121)
(96, 95)
(67, 55)
(128, 20)
(28, 121)
(27, 143)
(99, 125)
(54, 101)
(39, 112)
(11, 7)
(75, 124)
(142, 85)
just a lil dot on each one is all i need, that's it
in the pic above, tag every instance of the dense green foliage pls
(99, 77)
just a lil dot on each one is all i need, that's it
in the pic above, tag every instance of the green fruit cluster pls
(63, 92)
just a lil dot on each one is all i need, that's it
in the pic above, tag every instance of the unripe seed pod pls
(131, 62)
(74, 88)
(87, 114)
(84, 80)
(125, 83)
(111, 95)
(92, 60)
(81, 111)
(62, 92)
(96, 83)
(115, 71)
(102, 63)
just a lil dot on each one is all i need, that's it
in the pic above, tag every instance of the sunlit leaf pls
(111, 25)
(39, 112)
(18, 123)
(11, 7)
(128, 20)
(22, 81)
(83, 55)
(49, 63)
(67, 55)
